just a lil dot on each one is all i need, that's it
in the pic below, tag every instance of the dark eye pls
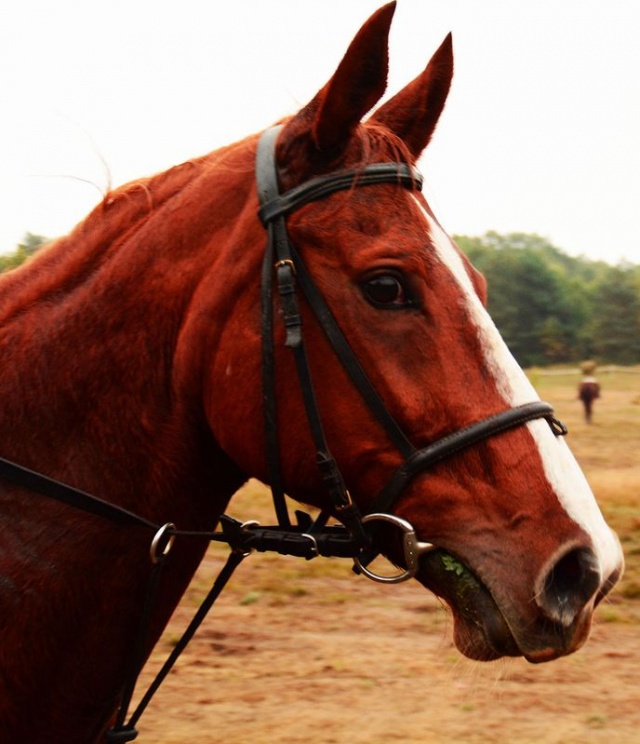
(387, 291)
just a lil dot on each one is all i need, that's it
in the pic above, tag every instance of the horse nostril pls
(570, 583)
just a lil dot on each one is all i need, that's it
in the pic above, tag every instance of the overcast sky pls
(541, 132)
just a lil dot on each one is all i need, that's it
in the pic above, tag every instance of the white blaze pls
(560, 467)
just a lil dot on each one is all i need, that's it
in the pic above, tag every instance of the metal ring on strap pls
(161, 544)
(412, 547)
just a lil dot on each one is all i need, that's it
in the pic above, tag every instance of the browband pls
(274, 205)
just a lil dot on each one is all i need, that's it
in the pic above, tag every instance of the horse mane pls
(68, 260)
(136, 201)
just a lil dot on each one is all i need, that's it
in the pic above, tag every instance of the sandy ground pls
(293, 653)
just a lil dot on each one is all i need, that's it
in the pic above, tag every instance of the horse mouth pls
(481, 631)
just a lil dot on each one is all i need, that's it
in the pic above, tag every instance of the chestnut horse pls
(132, 366)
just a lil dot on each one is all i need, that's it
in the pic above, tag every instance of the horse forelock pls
(378, 143)
(299, 159)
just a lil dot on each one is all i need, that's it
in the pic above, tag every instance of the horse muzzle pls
(554, 623)
(565, 595)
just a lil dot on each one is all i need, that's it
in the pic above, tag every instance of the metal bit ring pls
(412, 547)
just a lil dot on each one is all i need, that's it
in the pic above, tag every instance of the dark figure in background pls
(589, 388)
(588, 391)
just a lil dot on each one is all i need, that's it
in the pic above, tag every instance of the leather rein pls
(355, 536)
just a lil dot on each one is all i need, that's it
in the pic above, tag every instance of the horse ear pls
(413, 113)
(356, 86)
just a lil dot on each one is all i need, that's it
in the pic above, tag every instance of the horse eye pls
(386, 290)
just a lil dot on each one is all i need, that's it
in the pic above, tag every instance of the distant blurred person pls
(589, 389)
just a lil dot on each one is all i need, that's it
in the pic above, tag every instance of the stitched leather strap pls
(462, 439)
(32, 481)
(290, 271)
(350, 362)
(317, 188)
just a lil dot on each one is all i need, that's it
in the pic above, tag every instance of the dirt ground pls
(298, 652)
(346, 660)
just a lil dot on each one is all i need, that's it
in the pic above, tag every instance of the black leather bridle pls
(291, 275)
(355, 537)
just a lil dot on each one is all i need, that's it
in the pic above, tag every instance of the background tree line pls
(27, 247)
(549, 306)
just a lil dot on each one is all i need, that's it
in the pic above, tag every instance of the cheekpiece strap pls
(281, 256)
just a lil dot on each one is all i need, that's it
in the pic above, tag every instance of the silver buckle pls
(413, 549)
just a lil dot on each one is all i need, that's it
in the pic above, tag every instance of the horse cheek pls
(233, 395)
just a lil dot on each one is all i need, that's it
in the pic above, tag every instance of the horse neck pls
(100, 387)
(91, 330)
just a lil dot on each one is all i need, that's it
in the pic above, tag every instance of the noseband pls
(291, 278)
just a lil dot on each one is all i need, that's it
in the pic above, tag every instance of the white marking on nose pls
(560, 467)
(574, 493)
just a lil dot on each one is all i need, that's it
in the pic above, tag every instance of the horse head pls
(287, 308)
(522, 553)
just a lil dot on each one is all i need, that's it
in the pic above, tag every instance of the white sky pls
(541, 132)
